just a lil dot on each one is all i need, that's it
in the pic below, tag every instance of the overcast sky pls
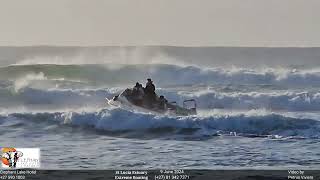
(160, 22)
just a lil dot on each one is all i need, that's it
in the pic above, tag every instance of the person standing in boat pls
(150, 94)
(150, 87)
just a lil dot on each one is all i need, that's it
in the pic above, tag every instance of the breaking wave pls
(273, 100)
(69, 88)
(163, 75)
(24, 82)
(207, 99)
(119, 120)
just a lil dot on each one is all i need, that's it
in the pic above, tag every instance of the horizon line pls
(127, 46)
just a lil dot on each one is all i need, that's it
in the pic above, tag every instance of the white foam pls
(285, 100)
(181, 75)
(24, 81)
(256, 123)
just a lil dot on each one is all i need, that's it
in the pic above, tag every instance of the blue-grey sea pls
(247, 118)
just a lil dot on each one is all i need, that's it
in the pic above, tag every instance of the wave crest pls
(165, 75)
(114, 120)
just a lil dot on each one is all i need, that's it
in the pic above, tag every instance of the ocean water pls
(247, 118)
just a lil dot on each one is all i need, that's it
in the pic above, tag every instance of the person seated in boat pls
(150, 95)
(162, 103)
(138, 94)
(136, 87)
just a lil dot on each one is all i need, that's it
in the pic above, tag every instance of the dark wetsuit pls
(150, 88)
(150, 95)
(137, 95)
